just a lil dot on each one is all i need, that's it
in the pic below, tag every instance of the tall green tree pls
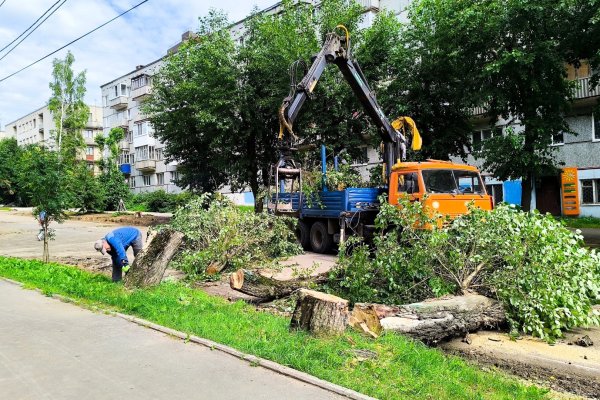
(69, 111)
(43, 179)
(111, 180)
(215, 102)
(10, 154)
(508, 56)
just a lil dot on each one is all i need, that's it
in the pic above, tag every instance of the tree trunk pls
(46, 251)
(150, 264)
(526, 188)
(267, 289)
(435, 320)
(320, 313)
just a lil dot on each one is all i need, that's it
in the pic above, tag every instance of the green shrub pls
(219, 233)
(540, 270)
(159, 201)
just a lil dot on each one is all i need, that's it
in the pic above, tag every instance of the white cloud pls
(140, 37)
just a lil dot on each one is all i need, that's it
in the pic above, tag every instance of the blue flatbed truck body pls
(332, 204)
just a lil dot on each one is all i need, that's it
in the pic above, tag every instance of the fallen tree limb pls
(433, 320)
(150, 264)
(267, 289)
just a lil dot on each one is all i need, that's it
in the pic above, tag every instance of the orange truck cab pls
(444, 187)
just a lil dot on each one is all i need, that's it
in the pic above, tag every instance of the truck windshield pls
(452, 181)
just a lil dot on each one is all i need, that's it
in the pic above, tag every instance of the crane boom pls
(336, 50)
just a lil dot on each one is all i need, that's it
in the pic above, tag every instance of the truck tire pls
(320, 239)
(303, 234)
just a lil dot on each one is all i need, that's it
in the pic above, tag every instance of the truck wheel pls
(320, 239)
(303, 234)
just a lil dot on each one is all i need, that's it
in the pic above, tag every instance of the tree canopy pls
(215, 101)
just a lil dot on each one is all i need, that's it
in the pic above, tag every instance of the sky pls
(139, 37)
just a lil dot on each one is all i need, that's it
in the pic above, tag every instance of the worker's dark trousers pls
(136, 245)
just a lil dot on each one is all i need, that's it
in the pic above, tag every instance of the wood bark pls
(320, 313)
(267, 289)
(150, 264)
(436, 320)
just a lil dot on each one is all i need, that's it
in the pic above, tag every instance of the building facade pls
(38, 127)
(141, 154)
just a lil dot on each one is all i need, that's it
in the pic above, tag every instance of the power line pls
(36, 21)
(1, 4)
(32, 30)
(73, 41)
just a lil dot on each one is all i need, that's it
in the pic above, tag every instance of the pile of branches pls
(220, 236)
(538, 270)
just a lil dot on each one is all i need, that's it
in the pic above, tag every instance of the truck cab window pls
(439, 181)
(469, 182)
(408, 183)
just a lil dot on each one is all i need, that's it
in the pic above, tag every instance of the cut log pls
(320, 313)
(150, 264)
(267, 289)
(435, 320)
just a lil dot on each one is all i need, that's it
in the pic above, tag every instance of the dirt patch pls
(124, 219)
(562, 367)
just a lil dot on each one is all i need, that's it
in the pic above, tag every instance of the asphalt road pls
(54, 350)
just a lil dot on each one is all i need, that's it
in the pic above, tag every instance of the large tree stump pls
(320, 313)
(435, 320)
(267, 289)
(150, 264)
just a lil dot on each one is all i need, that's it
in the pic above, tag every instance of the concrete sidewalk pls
(54, 350)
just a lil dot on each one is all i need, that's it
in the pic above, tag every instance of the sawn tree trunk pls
(433, 320)
(150, 264)
(321, 314)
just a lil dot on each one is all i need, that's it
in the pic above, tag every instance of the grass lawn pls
(5, 208)
(403, 369)
(582, 222)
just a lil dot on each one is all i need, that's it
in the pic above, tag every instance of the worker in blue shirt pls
(116, 244)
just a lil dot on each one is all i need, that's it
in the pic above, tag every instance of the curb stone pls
(251, 359)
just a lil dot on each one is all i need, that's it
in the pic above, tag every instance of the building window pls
(558, 139)
(159, 154)
(595, 127)
(590, 191)
(174, 176)
(132, 182)
(90, 167)
(146, 180)
(89, 151)
(89, 134)
(145, 153)
(160, 178)
(124, 157)
(141, 153)
(129, 136)
(140, 128)
(140, 81)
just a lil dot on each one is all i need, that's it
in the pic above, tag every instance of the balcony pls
(146, 165)
(124, 145)
(125, 169)
(141, 92)
(123, 122)
(583, 89)
(118, 103)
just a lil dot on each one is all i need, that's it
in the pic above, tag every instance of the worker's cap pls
(99, 245)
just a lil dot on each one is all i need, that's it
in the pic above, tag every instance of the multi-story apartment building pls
(38, 127)
(141, 154)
